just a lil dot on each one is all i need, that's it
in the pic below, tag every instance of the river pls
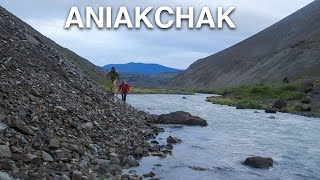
(232, 135)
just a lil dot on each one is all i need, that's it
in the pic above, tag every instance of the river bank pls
(232, 135)
(297, 98)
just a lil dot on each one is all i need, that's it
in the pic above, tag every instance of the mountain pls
(289, 48)
(149, 80)
(141, 68)
(55, 121)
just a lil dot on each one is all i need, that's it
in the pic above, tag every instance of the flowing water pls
(231, 136)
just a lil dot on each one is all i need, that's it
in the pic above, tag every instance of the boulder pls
(181, 117)
(150, 174)
(273, 111)
(306, 100)
(285, 80)
(198, 168)
(305, 107)
(173, 140)
(259, 162)
(307, 86)
(279, 104)
(139, 151)
(132, 162)
(272, 117)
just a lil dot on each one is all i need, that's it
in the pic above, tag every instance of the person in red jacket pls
(125, 89)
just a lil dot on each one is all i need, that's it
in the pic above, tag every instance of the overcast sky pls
(173, 48)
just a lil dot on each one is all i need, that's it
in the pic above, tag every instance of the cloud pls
(175, 48)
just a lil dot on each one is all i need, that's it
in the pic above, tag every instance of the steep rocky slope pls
(89, 69)
(289, 48)
(55, 122)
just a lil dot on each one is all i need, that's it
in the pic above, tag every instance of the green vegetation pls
(258, 96)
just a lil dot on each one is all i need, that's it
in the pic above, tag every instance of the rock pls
(159, 154)
(139, 151)
(88, 125)
(5, 151)
(35, 92)
(65, 177)
(306, 100)
(272, 117)
(3, 127)
(173, 140)
(150, 174)
(54, 144)
(279, 104)
(60, 109)
(23, 113)
(197, 168)
(272, 111)
(184, 97)
(17, 123)
(132, 171)
(5, 165)
(31, 39)
(307, 86)
(259, 162)
(46, 156)
(76, 175)
(154, 142)
(240, 106)
(21, 157)
(35, 160)
(157, 165)
(181, 117)
(305, 107)
(169, 146)
(4, 176)
(132, 162)
(286, 80)
(2, 117)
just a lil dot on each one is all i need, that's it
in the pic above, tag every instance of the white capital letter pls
(109, 16)
(91, 14)
(78, 21)
(225, 17)
(188, 17)
(143, 17)
(158, 17)
(126, 21)
(205, 12)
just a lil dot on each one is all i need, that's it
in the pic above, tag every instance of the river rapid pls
(232, 135)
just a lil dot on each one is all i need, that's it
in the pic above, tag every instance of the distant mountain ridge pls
(289, 48)
(141, 68)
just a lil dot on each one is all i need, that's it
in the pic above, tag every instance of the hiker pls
(113, 76)
(125, 88)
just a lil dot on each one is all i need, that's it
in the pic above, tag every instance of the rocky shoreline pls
(55, 123)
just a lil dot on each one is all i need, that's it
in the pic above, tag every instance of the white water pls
(231, 136)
